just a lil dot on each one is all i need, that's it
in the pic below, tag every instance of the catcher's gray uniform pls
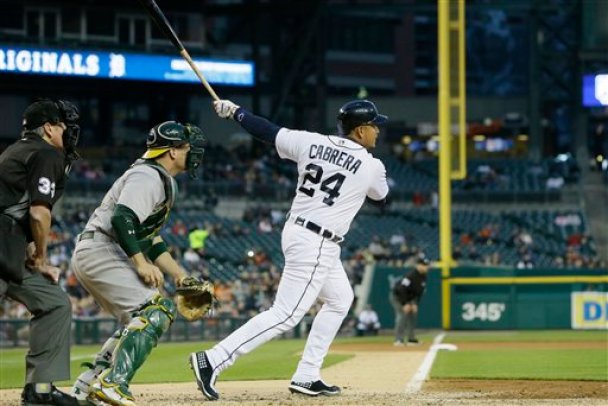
(119, 256)
(100, 264)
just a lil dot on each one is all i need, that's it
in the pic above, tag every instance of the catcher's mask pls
(55, 112)
(170, 134)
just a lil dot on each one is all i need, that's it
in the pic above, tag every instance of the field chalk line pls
(419, 377)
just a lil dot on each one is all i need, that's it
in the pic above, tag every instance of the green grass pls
(169, 363)
(526, 336)
(278, 359)
(583, 364)
(512, 363)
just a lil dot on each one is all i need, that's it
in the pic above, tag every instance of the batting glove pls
(225, 108)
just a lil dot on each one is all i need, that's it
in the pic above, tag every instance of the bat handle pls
(197, 72)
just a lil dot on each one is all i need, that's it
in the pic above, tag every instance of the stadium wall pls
(505, 298)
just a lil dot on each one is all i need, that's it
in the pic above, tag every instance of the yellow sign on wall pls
(589, 310)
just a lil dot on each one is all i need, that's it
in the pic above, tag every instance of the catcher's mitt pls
(194, 298)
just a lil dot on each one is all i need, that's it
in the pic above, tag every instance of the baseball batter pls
(336, 174)
(120, 255)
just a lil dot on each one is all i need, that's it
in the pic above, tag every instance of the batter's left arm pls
(259, 127)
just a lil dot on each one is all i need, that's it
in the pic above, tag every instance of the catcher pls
(120, 259)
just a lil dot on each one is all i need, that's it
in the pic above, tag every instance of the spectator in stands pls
(525, 262)
(465, 239)
(405, 297)
(417, 199)
(457, 254)
(473, 254)
(575, 240)
(211, 200)
(522, 239)
(265, 225)
(377, 248)
(179, 228)
(554, 182)
(558, 261)
(397, 239)
(368, 322)
(277, 217)
(487, 234)
(191, 257)
(197, 238)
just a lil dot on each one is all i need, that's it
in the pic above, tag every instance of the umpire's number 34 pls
(331, 185)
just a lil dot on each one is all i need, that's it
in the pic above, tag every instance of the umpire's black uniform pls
(409, 290)
(32, 171)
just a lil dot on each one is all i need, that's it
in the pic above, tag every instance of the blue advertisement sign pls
(122, 66)
(595, 90)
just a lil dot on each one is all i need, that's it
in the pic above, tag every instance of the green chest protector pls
(155, 221)
(134, 236)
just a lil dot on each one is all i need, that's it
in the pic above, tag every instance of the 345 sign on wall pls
(483, 311)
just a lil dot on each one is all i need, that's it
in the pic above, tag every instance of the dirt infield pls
(378, 375)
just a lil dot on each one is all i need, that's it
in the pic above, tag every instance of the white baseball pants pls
(312, 270)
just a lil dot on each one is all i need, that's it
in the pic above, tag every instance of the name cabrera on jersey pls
(335, 175)
(142, 189)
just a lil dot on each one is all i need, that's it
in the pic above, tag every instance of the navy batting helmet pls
(356, 113)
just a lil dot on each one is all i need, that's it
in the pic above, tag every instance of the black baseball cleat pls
(205, 375)
(314, 388)
(413, 341)
(50, 396)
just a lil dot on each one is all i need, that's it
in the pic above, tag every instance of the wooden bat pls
(161, 21)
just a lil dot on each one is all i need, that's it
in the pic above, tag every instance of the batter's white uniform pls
(335, 175)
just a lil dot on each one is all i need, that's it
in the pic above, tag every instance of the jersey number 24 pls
(331, 185)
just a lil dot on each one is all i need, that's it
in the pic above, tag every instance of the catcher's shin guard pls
(82, 385)
(138, 339)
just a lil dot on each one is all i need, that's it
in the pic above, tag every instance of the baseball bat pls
(161, 21)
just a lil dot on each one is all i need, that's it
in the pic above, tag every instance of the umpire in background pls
(405, 296)
(32, 177)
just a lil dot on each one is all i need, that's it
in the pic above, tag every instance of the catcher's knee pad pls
(155, 317)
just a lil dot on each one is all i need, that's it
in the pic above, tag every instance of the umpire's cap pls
(356, 113)
(164, 136)
(423, 260)
(49, 111)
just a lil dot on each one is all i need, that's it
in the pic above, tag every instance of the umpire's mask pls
(70, 116)
(164, 136)
(54, 112)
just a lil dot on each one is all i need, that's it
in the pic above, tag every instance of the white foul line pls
(417, 380)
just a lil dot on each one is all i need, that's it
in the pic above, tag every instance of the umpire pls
(32, 178)
(405, 296)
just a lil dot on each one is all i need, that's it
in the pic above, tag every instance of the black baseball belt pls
(317, 229)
